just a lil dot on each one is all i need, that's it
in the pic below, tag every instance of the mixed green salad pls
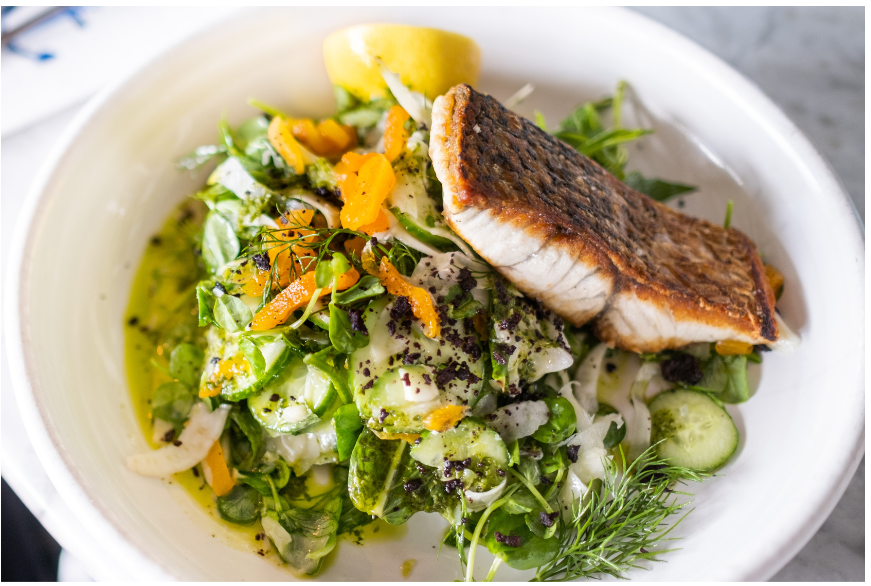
(294, 336)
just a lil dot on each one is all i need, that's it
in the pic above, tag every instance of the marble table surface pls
(810, 61)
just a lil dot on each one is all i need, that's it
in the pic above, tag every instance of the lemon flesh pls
(427, 60)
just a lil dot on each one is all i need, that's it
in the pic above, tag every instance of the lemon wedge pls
(429, 61)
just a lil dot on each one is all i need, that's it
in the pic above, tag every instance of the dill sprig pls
(623, 523)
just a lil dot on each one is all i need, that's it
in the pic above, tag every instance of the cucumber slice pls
(476, 453)
(319, 392)
(281, 406)
(244, 382)
(695, 432)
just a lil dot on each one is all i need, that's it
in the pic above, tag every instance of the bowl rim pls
(61, 471)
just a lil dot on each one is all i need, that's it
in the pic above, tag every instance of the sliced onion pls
(584, 419)
(417, 106)
(485, 405)
(478, 501)
(587, 377)
(232, 175)
(330, 212)
(570, 493)
(590, 464)
(161, 428)
(553, 359)
(788, 341)
(518, 420)
(303, 451)
(638, 431)
(202, 431)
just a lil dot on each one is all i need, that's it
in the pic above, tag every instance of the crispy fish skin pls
(569, 233)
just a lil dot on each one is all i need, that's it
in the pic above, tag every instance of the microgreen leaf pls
(323, 274)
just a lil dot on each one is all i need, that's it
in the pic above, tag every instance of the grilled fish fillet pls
(568, 233)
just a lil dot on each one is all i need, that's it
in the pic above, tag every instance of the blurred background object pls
(810, 61)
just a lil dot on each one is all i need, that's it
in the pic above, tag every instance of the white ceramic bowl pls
(111, 183)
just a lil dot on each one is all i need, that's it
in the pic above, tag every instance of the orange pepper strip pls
(355, 245)
(395, 135)
(380, 224)
(295, 296)
(280, 136)
(445, 418)
(346, 172)
(306, 132)
(222, 481)
(421, 301)
(374, 182)
(339, 136)
(732, 348)
(775, 279)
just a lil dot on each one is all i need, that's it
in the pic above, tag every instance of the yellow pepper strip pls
(374, 182)
(222, 481)
(733, 347)
(775, 279)
(295, 296)
(421, 301)
(226, 369)
(445, 418)
(386, 435)
(280, 134)
(395, 135)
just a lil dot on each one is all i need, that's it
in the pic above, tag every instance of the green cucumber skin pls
(704, 438)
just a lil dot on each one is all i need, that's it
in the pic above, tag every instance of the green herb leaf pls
(532, 552)
(348, 426)
(614, 436)
(200, 156)
(253, 433)
(231, 313)
(339, 264)
(323, 275)
(540, 121)
(241, 505)
(367, 287)
(185, 364)
(726, 378)
(172, 402)
(253, 355)
(331, 363)
(205, 302)
(467, 308)
(560, 424)
(623, 522)
(220, 243)
(656, 188)
(343, 338)
(379, 473)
